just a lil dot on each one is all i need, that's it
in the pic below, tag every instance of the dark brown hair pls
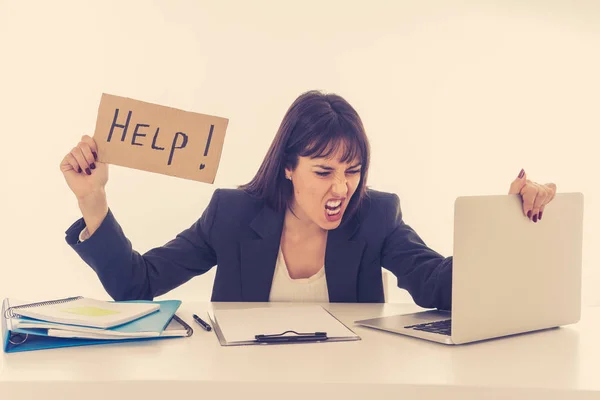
(315, 126)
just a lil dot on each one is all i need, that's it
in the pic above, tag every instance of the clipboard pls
(267, 328)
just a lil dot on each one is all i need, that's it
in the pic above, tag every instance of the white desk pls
(559, 363)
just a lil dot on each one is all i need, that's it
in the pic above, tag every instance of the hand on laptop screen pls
(535, 196)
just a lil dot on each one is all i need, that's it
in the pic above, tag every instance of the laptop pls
(509, 274)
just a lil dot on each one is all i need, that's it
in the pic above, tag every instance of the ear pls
(288, 173)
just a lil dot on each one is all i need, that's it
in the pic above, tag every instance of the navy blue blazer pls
(242, 235)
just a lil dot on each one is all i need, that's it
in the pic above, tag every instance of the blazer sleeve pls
(424, 273)
(129, 275)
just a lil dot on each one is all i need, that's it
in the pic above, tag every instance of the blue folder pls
(16, 340)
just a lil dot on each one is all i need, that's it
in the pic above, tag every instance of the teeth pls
(330, 212)
(334, 203)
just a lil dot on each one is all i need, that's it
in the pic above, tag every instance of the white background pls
(456, 97)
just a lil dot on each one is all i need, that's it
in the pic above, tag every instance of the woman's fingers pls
(69, 163)
(535, 196)
(82, 158)
(88, 153)
(551, 191)
(518, 183)
(541, 199)
(77, 153)
(89, 141)
(528, 193)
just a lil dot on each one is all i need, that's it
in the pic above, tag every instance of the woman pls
(306, 228)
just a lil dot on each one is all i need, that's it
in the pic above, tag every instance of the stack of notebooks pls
(77, 321)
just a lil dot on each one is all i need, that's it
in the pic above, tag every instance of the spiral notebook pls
(83, 311)
(22, 333)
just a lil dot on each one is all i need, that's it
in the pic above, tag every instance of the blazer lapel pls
(342, 261)
(258, 256)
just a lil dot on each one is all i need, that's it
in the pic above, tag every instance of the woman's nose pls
(340, 187)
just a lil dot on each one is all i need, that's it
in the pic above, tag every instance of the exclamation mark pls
(207, 144)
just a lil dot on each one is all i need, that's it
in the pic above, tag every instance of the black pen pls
(202, 323)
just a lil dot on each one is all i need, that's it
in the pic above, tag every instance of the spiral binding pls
(10, 313)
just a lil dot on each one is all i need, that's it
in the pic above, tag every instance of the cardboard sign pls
(159, 139)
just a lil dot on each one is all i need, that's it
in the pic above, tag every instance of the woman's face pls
(323, 188)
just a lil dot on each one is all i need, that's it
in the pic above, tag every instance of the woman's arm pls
(129, 275)
(424, 273)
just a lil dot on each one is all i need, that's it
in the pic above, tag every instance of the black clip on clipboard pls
(297, 337)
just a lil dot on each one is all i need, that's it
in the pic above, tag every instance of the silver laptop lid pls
(511, 275)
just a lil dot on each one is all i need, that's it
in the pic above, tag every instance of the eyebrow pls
(325, 167)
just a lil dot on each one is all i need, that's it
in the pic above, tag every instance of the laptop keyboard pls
(441, 327)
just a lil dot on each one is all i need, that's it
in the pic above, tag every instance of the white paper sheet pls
(239, 325)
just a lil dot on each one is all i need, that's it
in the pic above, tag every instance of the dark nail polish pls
(540, 217)
(87, 171)
(529, 214)
(93, 166)
(79, 170)
(535, 218)
(95, 155)
(521, 173)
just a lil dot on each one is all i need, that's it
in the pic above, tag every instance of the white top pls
(284, 288)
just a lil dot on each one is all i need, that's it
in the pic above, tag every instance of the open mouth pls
(333, 207)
